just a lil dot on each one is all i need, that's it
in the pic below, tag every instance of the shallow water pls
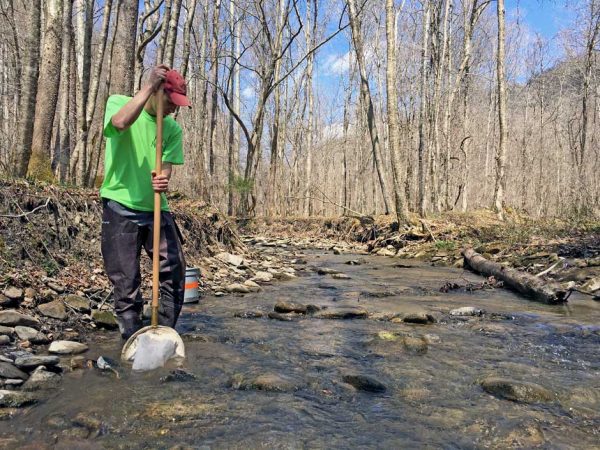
(433, 399)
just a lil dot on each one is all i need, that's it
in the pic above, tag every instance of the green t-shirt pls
(130, 157)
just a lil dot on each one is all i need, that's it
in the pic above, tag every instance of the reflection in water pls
(265, 383)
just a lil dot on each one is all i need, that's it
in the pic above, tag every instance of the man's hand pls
(160, 183)
(157, 76)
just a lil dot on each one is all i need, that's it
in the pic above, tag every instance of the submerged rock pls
(16, 399)
(41, 379)
(415, 344)
(340, 276)
(326, 271)
(178, 375)
(518, 391)
(342, 313)
(279, 316)
(274, 383)
(421, 318)
(284, 307)
(364, 383)
(263, 277)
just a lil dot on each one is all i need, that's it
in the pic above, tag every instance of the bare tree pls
(501, 153)
(47, 94)
(123, 64)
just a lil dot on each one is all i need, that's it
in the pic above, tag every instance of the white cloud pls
(337, 64)
(248, 92)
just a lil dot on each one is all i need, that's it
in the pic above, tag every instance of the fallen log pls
(522, 282)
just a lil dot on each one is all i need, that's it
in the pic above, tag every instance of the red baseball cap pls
(175, 88)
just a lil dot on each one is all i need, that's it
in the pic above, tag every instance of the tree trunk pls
(366, 100)
(422, 152)
(501, 154)
(164, 32)
(122, 69)
(214, 74)
(232, 149)
(172, 33)
(63, 153)
(393, 116)
(522, 282)
(148, 26)
(48, 85)
(187, 33)
(309, 35)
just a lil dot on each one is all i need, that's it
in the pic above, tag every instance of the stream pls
(278, 384)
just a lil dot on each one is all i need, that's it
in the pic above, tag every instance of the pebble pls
(340, 276)
(262, 277)
(248, 314)
(4, 339)
(342, 313)
(421, 318)
(282, 317)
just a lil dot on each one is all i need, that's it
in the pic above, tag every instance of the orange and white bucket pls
(192, 284)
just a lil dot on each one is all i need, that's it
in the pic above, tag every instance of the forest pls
(308, 108)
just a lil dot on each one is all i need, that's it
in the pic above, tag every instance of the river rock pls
(41, 379)
(421, 318)
(55, 310)
(283, 307)
(13, 293)
(262, 277)
(340, 276)
(591, 285)
(7, 370)
(416, 345)
(248, 314)
(386, 252)
(364, 383)
(467, 311)
(178, 375)
(58, 288)
(518, 391)
(252, 285)
(32, 335)
(273, 383)
(67, 347)
(105, 319)
(12, 318)
(228, 258)
(6, 302)
(79, 304)
(388, 336)
(15, 399)
(4, 339)
(238, 288)
(33, 361)
(326, 271)
(278, 316)
(342, 313)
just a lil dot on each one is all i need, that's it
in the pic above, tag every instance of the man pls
(128, 197)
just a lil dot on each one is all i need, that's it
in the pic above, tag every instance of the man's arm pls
(129, 113)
